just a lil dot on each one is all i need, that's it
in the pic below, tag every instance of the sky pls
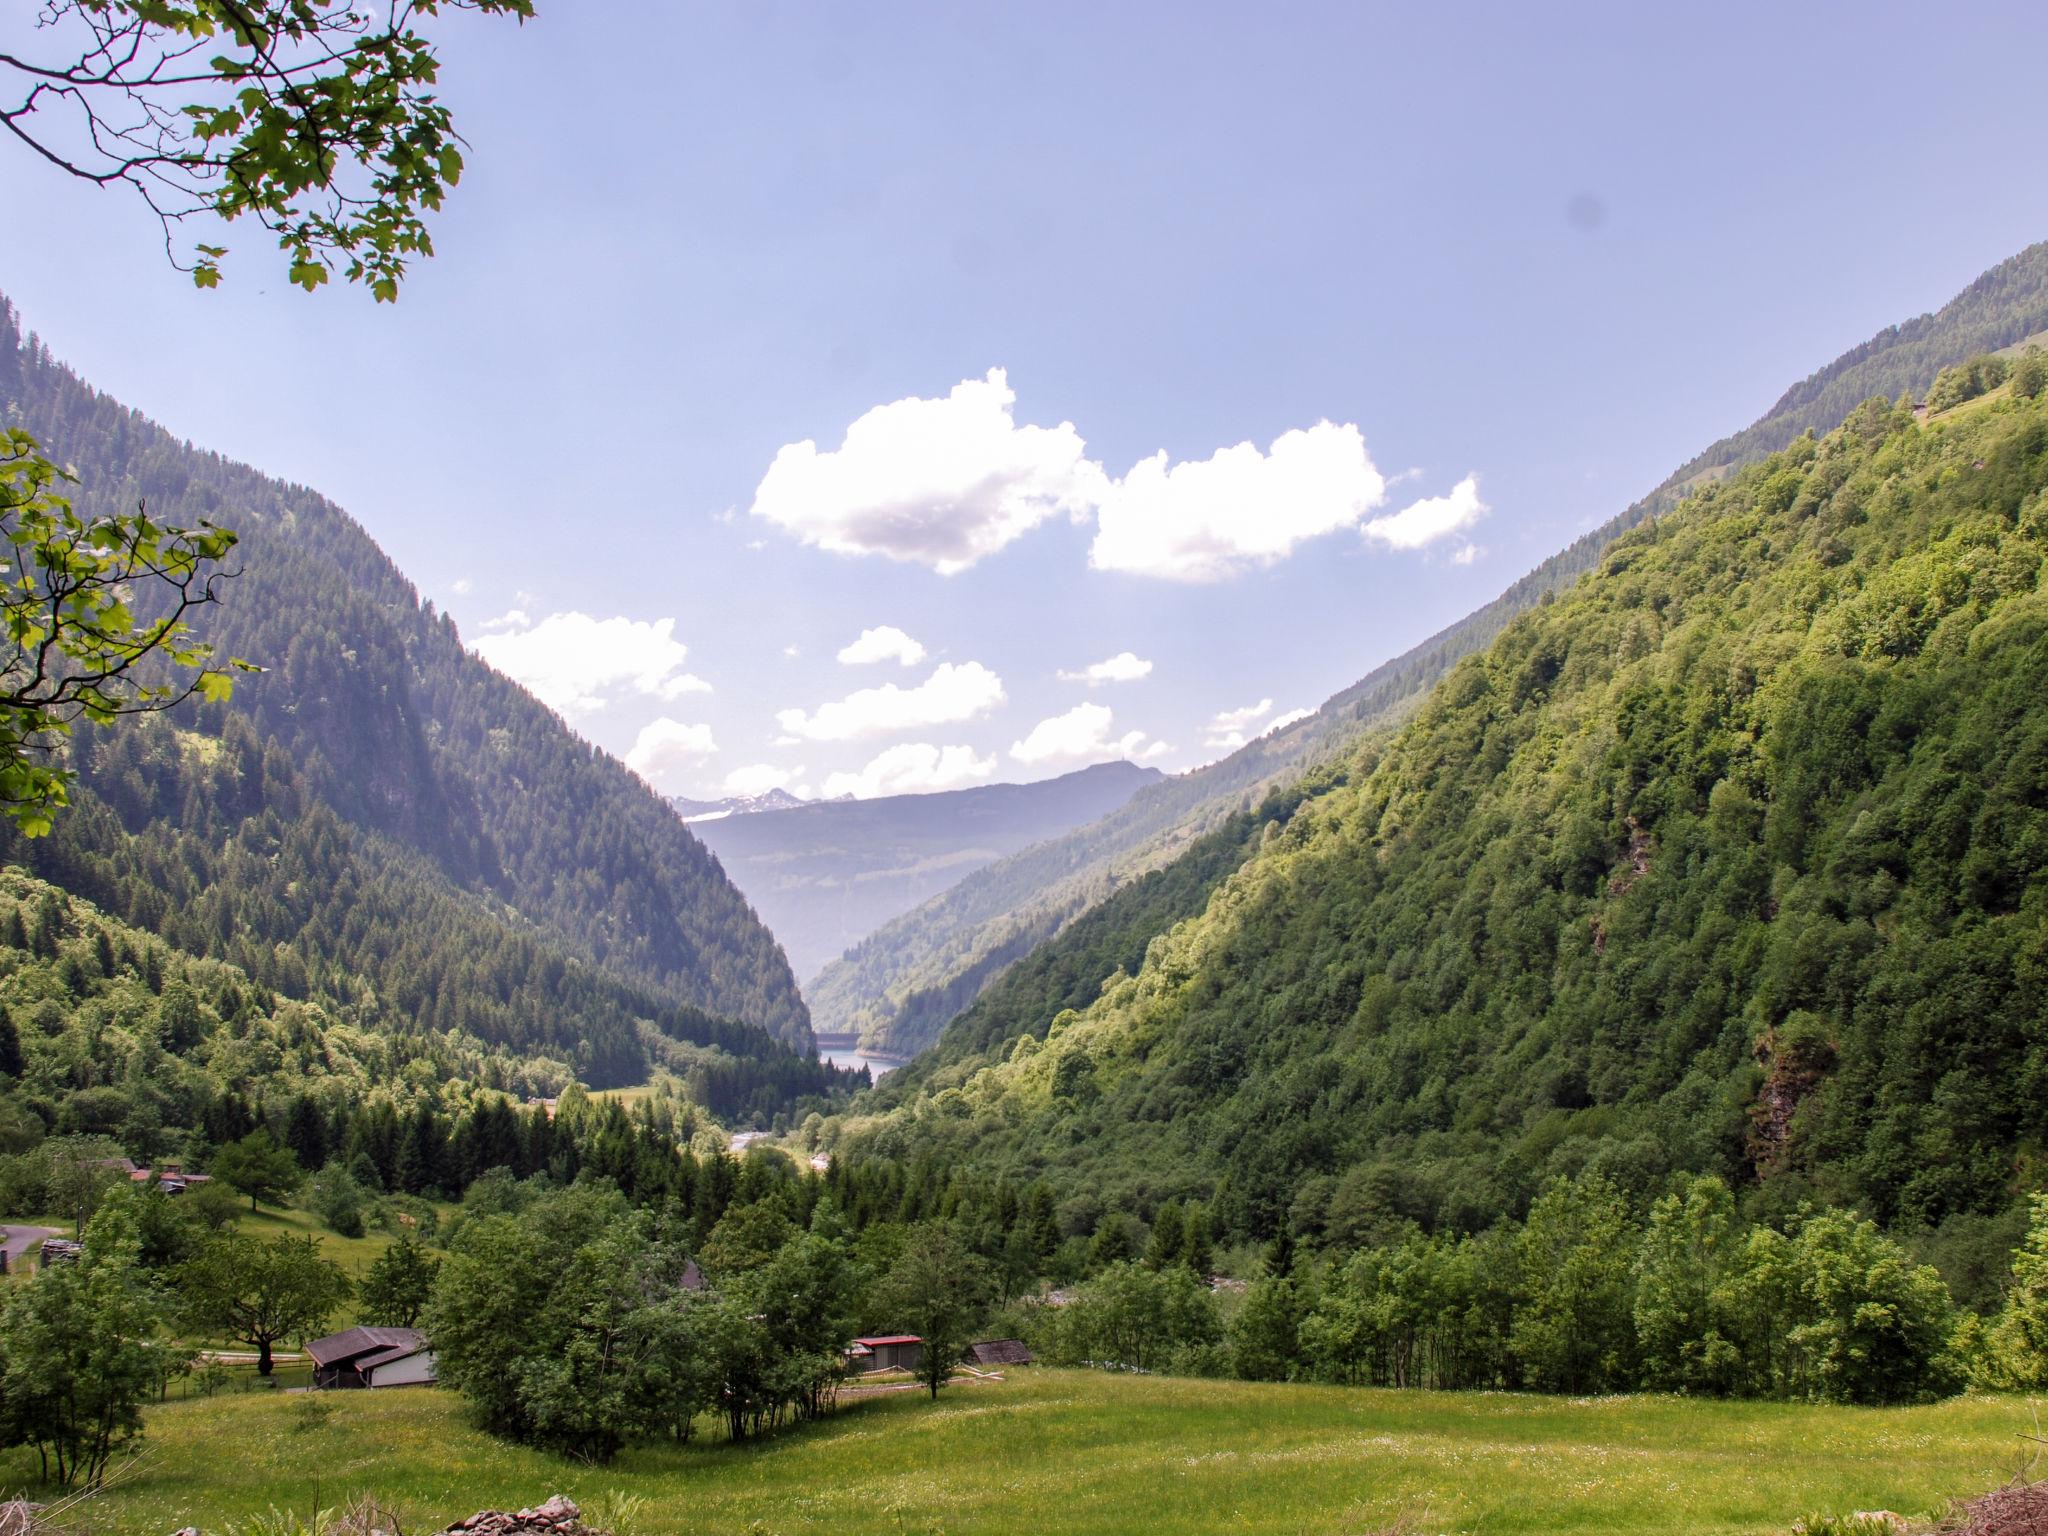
(880, 398)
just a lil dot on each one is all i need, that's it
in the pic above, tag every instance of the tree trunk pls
(263, 1357)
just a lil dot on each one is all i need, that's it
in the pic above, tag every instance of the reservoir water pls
(854, 1056)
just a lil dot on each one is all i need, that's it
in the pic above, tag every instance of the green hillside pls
(902, 986)
(379, 818)
(1731, 859)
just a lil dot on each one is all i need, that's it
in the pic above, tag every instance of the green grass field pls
(1050, 1452)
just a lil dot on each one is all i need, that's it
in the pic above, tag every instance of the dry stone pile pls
(559, 1516)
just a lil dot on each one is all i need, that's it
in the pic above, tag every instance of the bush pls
(338, 1201)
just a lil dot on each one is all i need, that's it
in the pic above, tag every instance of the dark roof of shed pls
(1000, 1352)
(344, 1347)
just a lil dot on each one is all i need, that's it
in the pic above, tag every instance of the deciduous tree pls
(261, 1293)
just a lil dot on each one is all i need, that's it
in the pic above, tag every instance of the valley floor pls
(1057, 1452)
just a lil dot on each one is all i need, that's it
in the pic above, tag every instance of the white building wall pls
(410, 1371)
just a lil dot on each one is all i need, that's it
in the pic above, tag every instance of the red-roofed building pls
(886, 1352)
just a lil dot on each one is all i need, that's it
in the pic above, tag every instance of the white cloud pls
(1123, 667)
(667, 748)
(940, 482)
(944, 482)
(514, 619)
(885, 642)
(1207, 519)
(1432, 518)
(1232, 728)
(575, 663)
(954, 692)
(1082, 735)
(462, 586)
(1468, 553)
(759, 778)
(912, 768)
(792, 651)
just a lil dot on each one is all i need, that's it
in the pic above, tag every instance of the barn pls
(886, 1352)
(372, 1357)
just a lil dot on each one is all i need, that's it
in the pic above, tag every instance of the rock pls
(558, 1516)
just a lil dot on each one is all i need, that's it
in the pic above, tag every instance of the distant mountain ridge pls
(381, 819)
(825, 874)
(900, 987)
(734, 805)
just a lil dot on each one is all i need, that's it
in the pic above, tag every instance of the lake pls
(854, 1056)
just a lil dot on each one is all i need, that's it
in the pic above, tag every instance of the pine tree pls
(10, 1045)
(306, 1132)
(1169, 1238)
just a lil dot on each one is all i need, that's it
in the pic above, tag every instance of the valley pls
(698, 871)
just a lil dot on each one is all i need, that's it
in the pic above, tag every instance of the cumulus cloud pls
(1229, 727)
(665, 749)
(1082, 734)
(1432, 518)
(913, 768)
(759, 778)
(1202, 520)
(954, 692)
(462, 586)
(885, 642)
(940, 482)
(1123, 667)
(575, 663)
(515, 618)
(1468, 553)
(947, 481)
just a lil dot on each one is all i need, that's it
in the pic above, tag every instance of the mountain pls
(1731, 857)
(734, 805)
(899, 988)
(380, 819)
(826, 875)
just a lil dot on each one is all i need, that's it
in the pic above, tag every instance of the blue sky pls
(1521, 261)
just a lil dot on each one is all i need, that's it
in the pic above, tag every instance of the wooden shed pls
(999, 1352)
(372, 1357)
(886, 1352)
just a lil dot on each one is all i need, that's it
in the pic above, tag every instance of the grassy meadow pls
(1059, 1451)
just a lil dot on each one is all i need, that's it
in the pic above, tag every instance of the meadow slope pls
(1055, 1452)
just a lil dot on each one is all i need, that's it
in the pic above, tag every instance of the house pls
(372, 1357)
(172, 1178)
(999, 1352)
(886, 1352)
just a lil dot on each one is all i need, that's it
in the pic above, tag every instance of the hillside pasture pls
(1056, 1452)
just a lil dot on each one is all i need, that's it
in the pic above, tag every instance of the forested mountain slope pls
(1733, 858)
(901, 986)
(380, 805)
(825, 876)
